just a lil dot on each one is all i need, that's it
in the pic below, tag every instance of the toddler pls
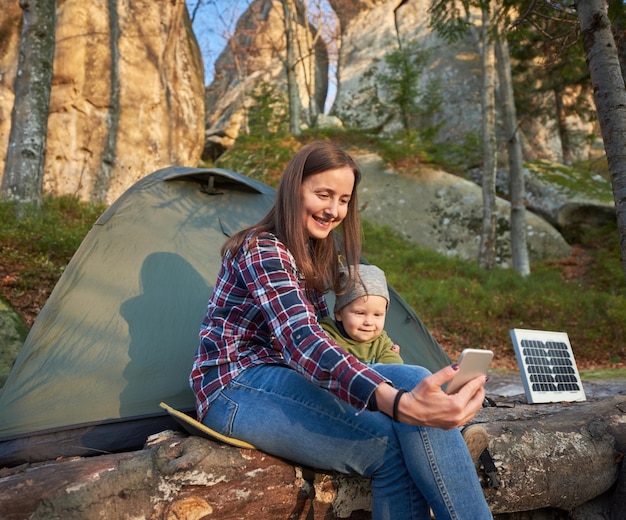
(360, 311)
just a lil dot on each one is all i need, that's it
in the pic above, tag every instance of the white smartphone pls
(472, 363)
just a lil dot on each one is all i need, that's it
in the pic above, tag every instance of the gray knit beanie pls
(372, 283)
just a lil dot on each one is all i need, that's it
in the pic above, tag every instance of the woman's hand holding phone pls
(472, 363)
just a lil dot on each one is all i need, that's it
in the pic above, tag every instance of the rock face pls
(253, 56)
(126, 99)
(568, 199)
(442, 212)
(369, 30)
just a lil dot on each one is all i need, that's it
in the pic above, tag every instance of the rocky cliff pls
(370, 29)
(127, 94)
(255, 55)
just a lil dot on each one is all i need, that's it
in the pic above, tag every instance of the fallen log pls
(556, 456)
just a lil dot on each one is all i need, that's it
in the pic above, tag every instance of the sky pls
(213, 23)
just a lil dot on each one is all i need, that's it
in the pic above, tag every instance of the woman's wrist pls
(396, 403)
(385, 395)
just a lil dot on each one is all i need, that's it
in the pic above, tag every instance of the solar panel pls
(548, 367)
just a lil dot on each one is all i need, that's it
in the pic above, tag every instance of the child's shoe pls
(476, 438)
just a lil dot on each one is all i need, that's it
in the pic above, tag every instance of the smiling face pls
(364, 318)
(325, 198)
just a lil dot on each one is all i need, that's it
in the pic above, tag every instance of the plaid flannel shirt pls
(260, 312)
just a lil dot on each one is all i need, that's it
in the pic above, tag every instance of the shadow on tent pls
(118, 334)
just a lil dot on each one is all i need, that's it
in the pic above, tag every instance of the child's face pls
(364, 318)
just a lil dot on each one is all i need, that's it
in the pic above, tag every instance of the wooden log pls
(554, 455)
(174, 477)
(548, 456)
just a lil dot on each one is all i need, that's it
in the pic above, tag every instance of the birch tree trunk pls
(292, 83)
(23, 175)
(517, 189)
(610, 99)
(308, 61)
(487, 250)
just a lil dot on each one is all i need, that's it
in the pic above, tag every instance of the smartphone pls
(472, 363)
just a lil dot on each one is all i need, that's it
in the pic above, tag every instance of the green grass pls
(36, 247)
(603, 375)
(470, 307)
(52, 230)
(574, 181)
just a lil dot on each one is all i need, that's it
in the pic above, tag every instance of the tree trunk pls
(102, 180)
(487, 251)
(292, 83)
(561, 123)
(23, 174)
(610, 100)
(559, 455)
(519, 248)
(308, 59)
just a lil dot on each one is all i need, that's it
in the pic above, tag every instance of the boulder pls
(255, 55)
(371, 29)
(570, 199)
(443, 212)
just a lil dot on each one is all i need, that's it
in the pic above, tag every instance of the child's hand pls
(395, 348)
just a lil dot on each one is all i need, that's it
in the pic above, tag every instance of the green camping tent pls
(118, 334)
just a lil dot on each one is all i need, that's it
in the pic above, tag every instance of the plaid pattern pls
(260, 312)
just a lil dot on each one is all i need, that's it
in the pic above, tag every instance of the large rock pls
(10, 30)
(127, 94)
(443, 212)
(371, 29)
(569, 199)
(256, 54)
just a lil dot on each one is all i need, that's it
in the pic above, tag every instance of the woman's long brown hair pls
(317, 260)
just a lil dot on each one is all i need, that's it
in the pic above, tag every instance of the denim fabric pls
(413, 469)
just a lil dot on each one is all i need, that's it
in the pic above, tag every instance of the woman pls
(266, 373)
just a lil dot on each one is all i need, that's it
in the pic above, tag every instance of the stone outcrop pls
(370, 29)
(559, 458)
(126, 99)
(568, 199)
(10, 29)
(255, 55)
(443, 212)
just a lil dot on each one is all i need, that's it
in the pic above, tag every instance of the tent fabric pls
(118, 334)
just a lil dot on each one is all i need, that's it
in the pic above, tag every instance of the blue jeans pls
(412, 468)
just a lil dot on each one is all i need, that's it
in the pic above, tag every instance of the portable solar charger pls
(547, 365)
